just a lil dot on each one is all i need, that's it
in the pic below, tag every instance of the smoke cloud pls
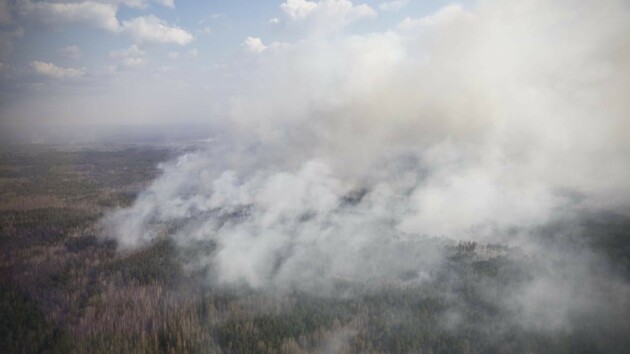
(358, 157)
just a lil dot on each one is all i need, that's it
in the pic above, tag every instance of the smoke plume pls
(357, 158)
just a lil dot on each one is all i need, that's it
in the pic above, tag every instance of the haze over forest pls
(460, 168)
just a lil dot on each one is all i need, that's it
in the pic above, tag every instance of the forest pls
(64, 289)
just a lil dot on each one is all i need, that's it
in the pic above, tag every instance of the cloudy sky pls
(156, 61)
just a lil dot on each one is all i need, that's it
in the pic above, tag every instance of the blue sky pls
(71, 61)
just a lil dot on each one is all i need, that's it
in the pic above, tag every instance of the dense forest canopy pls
(64, 289)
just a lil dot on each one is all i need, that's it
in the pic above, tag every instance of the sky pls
(157, 61)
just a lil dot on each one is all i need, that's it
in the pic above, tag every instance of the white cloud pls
(71, 52)
(130, 57)
(254, 45)
(167, 3)
(134, 4)
(298, 9)
(193, 53)
(274, 21)
(94, 14)
(393, 6)
(53, 71)
(154, 30)
(444, 16)
(173, 55)
(103, 15)
(327, 14)
(141, 4)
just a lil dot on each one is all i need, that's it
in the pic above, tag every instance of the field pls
(65, 289)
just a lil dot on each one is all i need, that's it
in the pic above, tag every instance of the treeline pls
(145, 302)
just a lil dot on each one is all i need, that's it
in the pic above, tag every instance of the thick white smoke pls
(346, 154)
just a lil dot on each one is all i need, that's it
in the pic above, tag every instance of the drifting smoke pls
(357, 157)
